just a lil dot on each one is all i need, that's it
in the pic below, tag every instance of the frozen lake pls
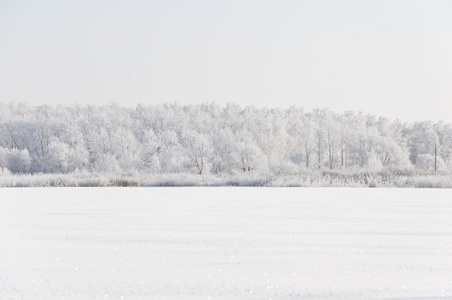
(225, 243)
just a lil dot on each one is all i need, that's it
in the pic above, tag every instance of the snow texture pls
(225, 243)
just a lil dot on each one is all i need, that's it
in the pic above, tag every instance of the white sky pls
(390, 58)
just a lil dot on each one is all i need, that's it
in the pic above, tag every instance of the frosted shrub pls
(19, 161)
(62, 158)
(373, 165)
(286, 168)
(108, 163)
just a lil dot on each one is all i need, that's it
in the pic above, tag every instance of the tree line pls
(208, 138)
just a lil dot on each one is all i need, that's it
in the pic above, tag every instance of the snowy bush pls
(18, 161)
(107, 163)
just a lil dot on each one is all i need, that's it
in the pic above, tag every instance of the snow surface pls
(225, 243)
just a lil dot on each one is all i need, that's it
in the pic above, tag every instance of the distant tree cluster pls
(208, 138)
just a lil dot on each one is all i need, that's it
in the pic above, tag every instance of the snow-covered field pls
(225, 243)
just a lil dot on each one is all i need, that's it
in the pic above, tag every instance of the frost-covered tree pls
(3, 158)
(319, 144)
(149, 149)
(332, 143)
(61, 158)
(222, 154)
(422, 140)
(199, 149)
(170, 138)
(247, 156)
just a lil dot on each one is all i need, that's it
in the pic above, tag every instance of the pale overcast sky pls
(390, 58)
